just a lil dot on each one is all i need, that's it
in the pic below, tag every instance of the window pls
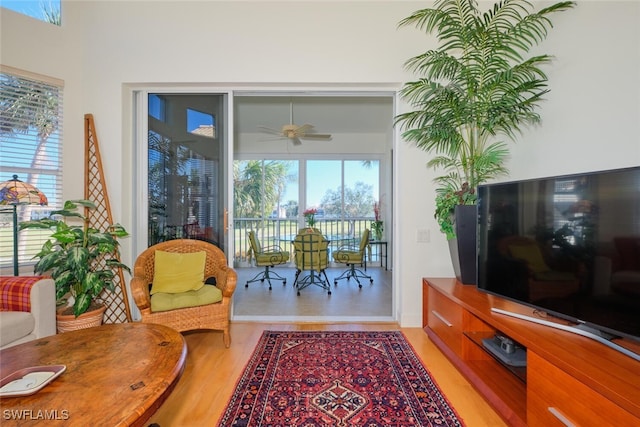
(157, 108)
(199, 123)
(44, 10)
(338, 189)
(265, 189)
(270, 196)
(30, 147)
(571, 218)
(343, 189)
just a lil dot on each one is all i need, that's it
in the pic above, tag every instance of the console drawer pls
(445, 319)
(554, 398)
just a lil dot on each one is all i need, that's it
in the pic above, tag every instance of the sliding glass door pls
(187, 174)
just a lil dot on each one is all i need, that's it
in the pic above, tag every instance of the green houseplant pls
(81, 260)
(476, 89)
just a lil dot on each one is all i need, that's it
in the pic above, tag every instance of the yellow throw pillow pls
(531, 255)
(177, 272)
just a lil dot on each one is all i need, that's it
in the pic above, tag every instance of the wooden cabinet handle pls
(441, 317)
(564, 420)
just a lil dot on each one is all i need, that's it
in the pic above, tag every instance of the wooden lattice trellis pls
(95, 189)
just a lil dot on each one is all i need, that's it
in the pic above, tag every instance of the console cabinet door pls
(555, 398)
(445, 319)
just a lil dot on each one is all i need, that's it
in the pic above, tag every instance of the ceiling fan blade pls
(304, 128)
(316, 136)
(273, 138)
(270, 130)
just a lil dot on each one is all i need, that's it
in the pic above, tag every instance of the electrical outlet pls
(423, 236)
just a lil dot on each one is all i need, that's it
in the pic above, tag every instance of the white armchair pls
(27, 309)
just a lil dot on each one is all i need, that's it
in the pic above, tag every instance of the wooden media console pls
(568, 380)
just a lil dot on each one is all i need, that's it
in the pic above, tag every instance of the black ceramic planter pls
(463, 247)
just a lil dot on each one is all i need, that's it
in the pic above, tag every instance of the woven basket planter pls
(69, 322)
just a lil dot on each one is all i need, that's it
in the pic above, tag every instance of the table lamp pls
(13, 193)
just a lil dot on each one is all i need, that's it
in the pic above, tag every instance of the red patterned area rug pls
(330, 378)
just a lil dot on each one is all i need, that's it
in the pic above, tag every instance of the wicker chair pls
(210, 316)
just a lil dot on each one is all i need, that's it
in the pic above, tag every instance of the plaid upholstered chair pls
(186, 285)
(311, 255)
(27, 309)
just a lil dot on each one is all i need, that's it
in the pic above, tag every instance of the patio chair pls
(352, 255)
(267, 257)
(312, 255)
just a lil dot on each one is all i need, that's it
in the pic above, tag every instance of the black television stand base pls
(517, 357)
(572, 329)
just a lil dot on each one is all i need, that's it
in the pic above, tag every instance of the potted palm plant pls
(475, 90)
(81, 260)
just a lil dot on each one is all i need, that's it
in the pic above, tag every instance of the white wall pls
(590, 119)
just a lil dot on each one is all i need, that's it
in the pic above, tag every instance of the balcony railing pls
(272, 231)
(280, 232)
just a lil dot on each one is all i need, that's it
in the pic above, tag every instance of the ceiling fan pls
(294, 132)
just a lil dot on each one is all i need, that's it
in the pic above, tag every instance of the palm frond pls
(477, 84)
(476, 87)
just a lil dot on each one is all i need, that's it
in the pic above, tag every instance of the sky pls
(29, 7)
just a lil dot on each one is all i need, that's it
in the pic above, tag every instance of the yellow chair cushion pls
(205, 295)
(268, 257)
(178, 272)
(347, 257)
(272, 258)
(351, 254)
(531, 255)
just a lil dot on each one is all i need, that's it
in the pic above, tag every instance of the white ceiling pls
(328, 114)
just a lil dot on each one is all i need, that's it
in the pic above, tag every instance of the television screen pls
(568, 245)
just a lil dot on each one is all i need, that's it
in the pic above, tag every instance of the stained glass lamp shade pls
(13, 193)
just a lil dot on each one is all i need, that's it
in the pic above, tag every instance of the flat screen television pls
(569, 246)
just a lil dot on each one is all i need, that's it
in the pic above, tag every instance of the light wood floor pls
(211, 373)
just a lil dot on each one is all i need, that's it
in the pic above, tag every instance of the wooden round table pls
(116, 375)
